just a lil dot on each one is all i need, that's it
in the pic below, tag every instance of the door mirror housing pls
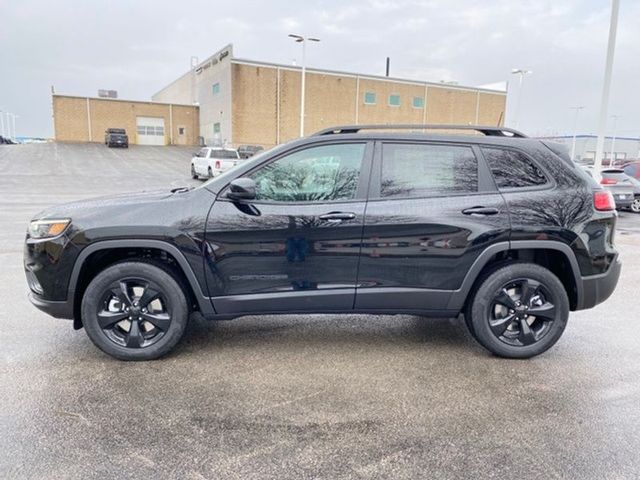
(242, 189)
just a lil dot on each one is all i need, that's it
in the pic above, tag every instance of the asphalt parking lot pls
(299, 396)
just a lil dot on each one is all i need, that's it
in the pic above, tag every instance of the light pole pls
(521, 72)
(2, 123)
(575, 127)
(303, 40)
(613, 140)
(604, 101)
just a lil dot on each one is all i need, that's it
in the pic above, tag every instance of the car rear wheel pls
(210, 172)
(635, 205)
(518, 311)
(135, 311)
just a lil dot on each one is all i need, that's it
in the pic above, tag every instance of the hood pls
(111, 205)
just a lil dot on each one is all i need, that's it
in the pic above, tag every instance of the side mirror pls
(242, 189)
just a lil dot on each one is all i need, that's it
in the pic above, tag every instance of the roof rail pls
(486, 130)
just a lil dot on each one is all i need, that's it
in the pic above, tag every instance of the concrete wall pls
(266, 102)
(72, 117)
(196, 87)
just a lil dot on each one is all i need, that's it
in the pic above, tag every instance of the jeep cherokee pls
(498, 227)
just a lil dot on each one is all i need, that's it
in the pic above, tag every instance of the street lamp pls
(521, 72)
(575, 126)
(613, 140)
(303, 40)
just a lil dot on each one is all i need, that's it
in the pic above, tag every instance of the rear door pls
(433, 209)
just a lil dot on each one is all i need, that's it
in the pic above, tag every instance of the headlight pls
(48, 228)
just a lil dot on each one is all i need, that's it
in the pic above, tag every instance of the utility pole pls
(303, 40)
(613, 140)
(521, 72)
(606, 88)
(575, 127)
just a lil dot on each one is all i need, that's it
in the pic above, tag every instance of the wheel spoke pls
(546, 310)
(500, 325)
(529, 289)
(122, 294)
(134, 337)
(526, 335)
(159, 320)
(505, 299)
(108, 319)
(148, 296)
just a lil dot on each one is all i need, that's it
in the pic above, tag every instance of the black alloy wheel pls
(134, 313)
(521, 313)
(518, 310)
(135, 310)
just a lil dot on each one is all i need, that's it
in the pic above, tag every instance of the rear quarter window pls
(513, 169)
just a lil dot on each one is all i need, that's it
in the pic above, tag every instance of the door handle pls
(481, 211)
(336, 217)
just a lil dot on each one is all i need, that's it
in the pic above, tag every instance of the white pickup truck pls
(212, 161)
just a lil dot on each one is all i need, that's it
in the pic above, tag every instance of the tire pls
(150, 293)
(519, 310)
(635, 205)
(194, 175)
(210, 172)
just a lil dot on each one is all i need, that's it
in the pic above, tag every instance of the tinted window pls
(631, 170)
(512, 169)
(224, 154)
(325, 173)
(419, 170)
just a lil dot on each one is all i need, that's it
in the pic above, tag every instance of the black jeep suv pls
(499, 227)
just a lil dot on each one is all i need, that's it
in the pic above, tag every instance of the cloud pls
(138, 47)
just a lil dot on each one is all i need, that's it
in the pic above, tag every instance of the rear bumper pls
(55, 309)
(597, 288)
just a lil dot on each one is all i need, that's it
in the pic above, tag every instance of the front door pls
(433, 209)
(296, 246)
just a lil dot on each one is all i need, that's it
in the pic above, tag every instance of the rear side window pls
(512, 169)
(223, 154)
(425, 170)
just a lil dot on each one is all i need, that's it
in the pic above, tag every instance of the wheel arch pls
(104, 253)
(556, 256)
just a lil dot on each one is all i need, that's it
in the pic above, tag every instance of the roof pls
(149, 102)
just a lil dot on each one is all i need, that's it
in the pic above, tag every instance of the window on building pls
(394, 100)
(216, 127)
(370, 98)
(512, 169)
(418, 102)
(426, 170)
(316, 174)
(181, 130)
(216, 88)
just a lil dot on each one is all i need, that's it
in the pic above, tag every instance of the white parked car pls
(212, 161)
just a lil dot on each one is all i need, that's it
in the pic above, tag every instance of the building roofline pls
(123, 100)
(382, 78)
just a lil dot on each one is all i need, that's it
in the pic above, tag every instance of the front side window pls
(425, 170)
(512, 169)
(317, 174)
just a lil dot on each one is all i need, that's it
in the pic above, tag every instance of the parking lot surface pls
(319, 396)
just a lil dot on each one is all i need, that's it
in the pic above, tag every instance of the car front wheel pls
(194, 175)
(518, 311)
(135, 311)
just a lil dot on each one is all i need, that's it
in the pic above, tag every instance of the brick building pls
(85, 119)
(251, 102)
(240, 101)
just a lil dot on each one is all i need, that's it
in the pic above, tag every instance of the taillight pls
(608, 181)
(218, 164)
(603, 201)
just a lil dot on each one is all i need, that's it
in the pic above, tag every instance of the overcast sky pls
(138, 47)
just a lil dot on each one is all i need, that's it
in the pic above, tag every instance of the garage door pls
(150, 130)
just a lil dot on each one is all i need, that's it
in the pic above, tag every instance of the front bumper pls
(597, 288)
(62, 309)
